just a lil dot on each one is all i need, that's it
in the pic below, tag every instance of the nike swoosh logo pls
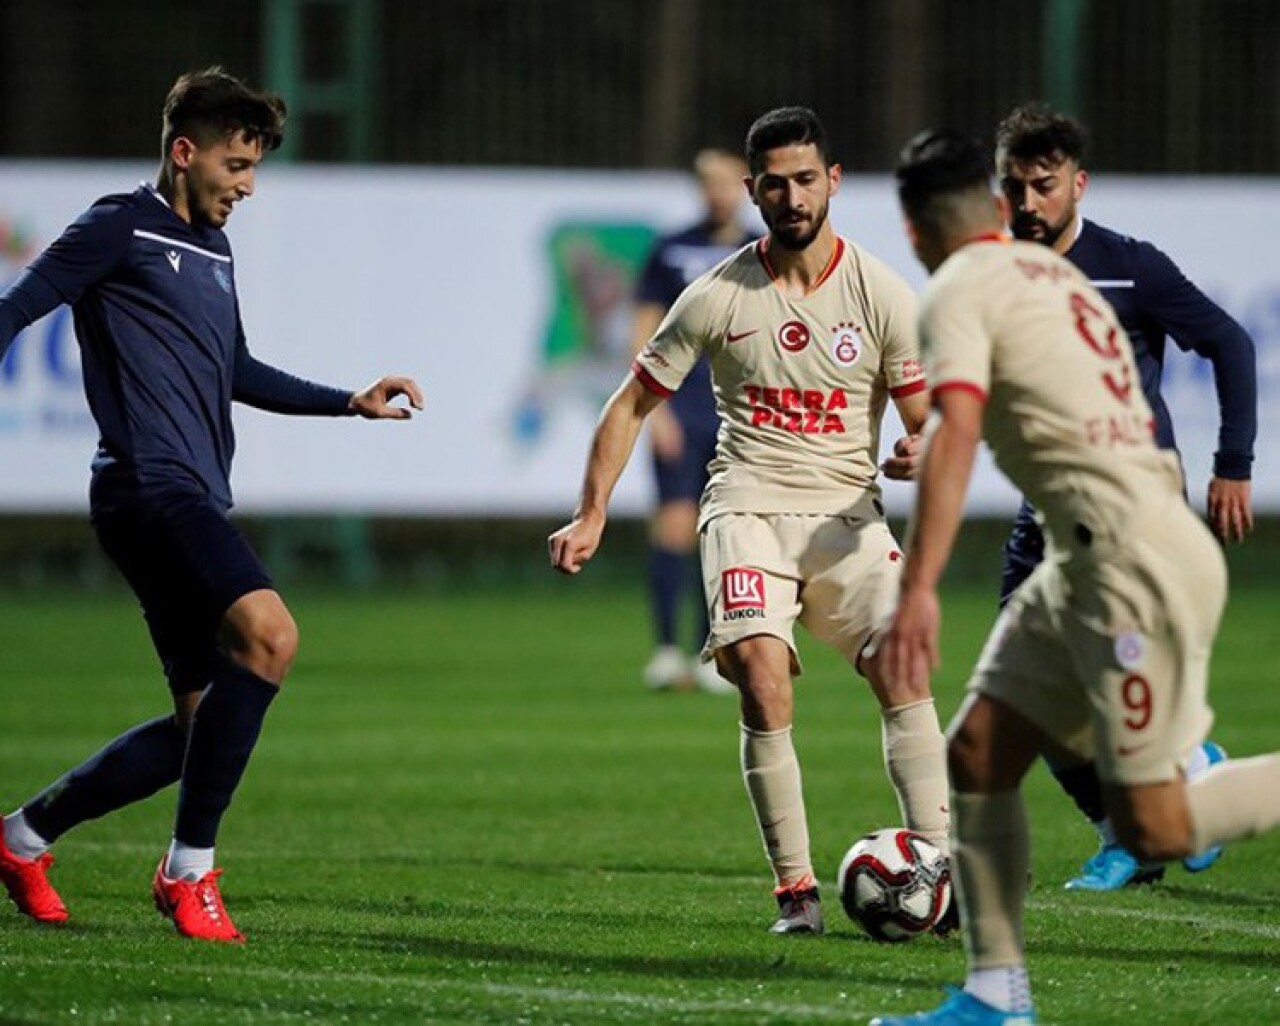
(731, 337)
(1131, 749)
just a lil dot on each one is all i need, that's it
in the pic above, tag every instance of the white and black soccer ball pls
(895, 884)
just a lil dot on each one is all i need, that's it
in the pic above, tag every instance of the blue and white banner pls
(506, 294)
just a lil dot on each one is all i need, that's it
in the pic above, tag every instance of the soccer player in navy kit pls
(683, 430)
(1039, 158)
(151, 282)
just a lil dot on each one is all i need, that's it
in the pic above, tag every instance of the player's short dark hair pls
(1034, 131)
(937, 163)
(785, 126)
(211, 106)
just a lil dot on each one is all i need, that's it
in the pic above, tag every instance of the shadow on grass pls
(552, 961)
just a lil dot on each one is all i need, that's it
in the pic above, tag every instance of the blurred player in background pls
(151, 282)
(809, 336)
(683, 430)
(1040, 160)
(1104, 650)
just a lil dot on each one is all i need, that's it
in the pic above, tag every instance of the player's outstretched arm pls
(611, 445)
(375, 402)
(24, 302)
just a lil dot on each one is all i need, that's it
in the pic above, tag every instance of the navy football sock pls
(666, 582)
(134, 766)
(224, 731)
(1082, 784)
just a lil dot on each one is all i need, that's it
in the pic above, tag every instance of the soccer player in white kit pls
(1103, 652)
(809, 336)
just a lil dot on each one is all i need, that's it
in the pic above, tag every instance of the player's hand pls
(374, 403)
(666, 435)
(909, 649)
(576, 542)
(901, 466)
(1230, 508)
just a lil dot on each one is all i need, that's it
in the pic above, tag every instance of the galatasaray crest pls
(846, 344)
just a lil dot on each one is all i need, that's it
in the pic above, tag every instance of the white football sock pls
(1196, 765)
(21, 839)
(187, 863)
(991, 858)
(772, 775)
(915, 757)
(1006, 987)
(1235, 799)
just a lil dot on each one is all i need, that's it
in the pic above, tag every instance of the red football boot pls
(195, 907)
(27, 882)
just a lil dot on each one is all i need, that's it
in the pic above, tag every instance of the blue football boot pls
(1112, 868)
(960, 1009)
(1213, 754)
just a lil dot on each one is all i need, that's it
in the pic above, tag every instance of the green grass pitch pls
(468, 809)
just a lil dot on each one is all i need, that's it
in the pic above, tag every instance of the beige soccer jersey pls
(800, 384)
(1065, 415)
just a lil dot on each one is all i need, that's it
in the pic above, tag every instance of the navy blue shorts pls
(187, 564)
(685, 478)
(1023, 552)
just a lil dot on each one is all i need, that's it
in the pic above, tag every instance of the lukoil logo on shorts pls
(743, 590)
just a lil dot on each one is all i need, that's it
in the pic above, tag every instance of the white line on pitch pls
(1191, 920)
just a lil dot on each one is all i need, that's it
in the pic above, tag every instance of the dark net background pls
(1167, 86)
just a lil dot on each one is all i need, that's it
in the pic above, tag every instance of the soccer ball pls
(895, 884)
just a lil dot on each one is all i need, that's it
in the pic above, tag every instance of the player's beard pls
(1030, 228)
(797, 242)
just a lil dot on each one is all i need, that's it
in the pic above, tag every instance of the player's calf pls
(1152, 821)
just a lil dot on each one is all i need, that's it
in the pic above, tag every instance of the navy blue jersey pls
(162, 347)
(673, 263)
(1155, 302)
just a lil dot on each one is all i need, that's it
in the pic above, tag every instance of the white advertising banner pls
(505, 295)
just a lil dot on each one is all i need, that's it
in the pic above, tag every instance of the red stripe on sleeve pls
(962, 386)
(649, 381)
(902, 391)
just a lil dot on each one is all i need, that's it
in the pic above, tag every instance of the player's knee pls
(280, 648)
(888, 689)
(968, 766)
(978, 761)
(269, 648)
(766, 702)
(767, 697)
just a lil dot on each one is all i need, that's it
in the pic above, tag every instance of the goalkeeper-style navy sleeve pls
(1197, 323)
(268, 388)
(23, 303)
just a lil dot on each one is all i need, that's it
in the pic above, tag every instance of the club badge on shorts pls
(846, 343)
(1130, 647)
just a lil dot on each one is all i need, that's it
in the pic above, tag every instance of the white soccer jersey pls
(1065, 415)
(800, 384)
